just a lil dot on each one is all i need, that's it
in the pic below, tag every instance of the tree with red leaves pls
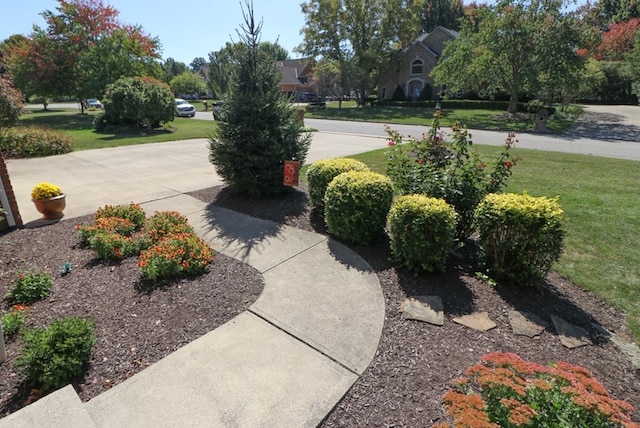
(62, 59)
(617, 42)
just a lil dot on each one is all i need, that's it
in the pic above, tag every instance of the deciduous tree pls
(519, 47)
(359, 36)
(187, 83)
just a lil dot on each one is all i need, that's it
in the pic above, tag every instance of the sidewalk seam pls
(293, 336)
(283, 261)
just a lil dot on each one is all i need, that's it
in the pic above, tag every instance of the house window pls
(384, 93)
(416, 67)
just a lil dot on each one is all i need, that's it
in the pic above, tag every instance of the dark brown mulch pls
(415, 361)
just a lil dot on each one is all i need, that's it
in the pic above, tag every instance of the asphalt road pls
(607, 131)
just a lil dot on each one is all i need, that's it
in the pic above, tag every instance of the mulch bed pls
(415, 361)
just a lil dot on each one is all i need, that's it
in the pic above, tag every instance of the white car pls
(93, 103)
(184, 108)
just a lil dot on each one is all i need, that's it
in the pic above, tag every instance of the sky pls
(186, 30)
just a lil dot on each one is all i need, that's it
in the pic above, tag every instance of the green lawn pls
(473, 119)
(80, 128)
(600, 200)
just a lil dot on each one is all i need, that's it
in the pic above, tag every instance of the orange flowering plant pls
(506, 391)
(175, 255)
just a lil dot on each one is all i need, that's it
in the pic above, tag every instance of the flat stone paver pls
(423, 308)
(479, 321)
(570, 335)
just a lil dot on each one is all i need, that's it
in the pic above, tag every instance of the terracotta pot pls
(51, 208)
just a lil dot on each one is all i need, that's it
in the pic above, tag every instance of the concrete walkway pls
(287, 361)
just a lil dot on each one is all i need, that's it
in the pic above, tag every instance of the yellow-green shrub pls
(356, 206)
(31, 141)
(320, 174)
(422, 231)
(521, 236)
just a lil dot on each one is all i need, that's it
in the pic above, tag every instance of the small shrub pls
(320, 174)
(28, 142)
(164, 223)
(53, 356)
(175, 255)
(398, 94)
(521, 236)
(132, 212)
(113, 246)
(506, 391)
(449, 170)
(356, 206)
(422, 231)
(121, 226)
(30, 287)
(12, 321)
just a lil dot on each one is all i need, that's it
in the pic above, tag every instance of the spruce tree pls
(259, 129)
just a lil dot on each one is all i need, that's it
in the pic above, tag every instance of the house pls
(296, 77)
(411, 70)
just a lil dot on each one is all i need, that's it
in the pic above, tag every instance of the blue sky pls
(186, 29)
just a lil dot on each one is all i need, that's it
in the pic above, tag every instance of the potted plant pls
(49, 200)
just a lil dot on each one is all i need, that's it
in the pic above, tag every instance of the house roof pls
(424, 39)
(294, 71)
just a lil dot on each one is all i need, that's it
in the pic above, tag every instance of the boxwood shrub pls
(422, 232)
(356, 206)
(521, 236)
(53, 356)
(320, 174)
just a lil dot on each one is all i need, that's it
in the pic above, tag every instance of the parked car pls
(217, 110)
(184, 108)
(93, 103)
(313, 101)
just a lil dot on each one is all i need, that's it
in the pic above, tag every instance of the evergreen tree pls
(259, 129)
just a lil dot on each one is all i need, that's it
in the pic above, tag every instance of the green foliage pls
(320, 174)
(536, 48)
(11, 105)
(506, 391)
(12, 322)
(30, 141)
(132, 212)
(30, 287)
(113, 235)
(53, 356)
(398, 94)
(521, 236)
(422, 232)
(113, 246)
(259, 130)
(164, 223)
(137, 101)
(176, 254)
(356, 206)
(187, 83)
(448, 170)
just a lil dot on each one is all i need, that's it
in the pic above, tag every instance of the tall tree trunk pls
(513, 103)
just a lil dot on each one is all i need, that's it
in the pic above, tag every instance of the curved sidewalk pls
(286, 361)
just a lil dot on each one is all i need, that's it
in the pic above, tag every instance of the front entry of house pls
(414, 90)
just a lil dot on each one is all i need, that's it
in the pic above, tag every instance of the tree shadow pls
(608, 127)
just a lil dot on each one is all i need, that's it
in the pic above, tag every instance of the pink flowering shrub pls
(506, 391)
(448, 170)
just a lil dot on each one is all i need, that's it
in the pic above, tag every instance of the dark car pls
(93, 103)
(313, 101)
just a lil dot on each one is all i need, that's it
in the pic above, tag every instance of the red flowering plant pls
(506, 391)
(175, 255)
(449, 170)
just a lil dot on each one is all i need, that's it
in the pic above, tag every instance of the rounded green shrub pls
(320, 174)
(422, 231)
(51, 357)
(356, 206)
(521, 236)
(29, 287)
(32, 141)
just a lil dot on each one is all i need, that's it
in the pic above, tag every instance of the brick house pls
(411, 70)
(296, 77)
